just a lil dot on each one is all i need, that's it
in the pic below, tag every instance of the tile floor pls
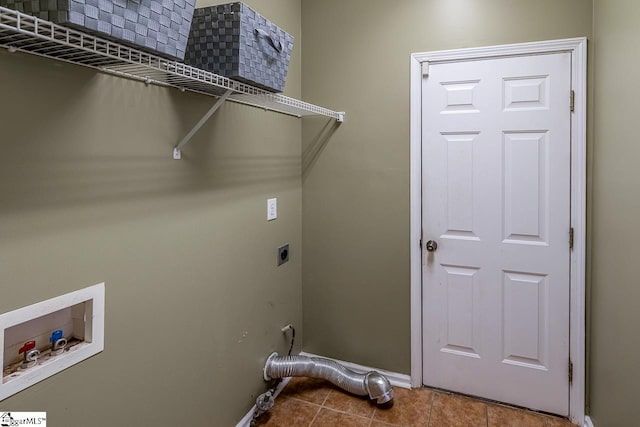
(312, 402)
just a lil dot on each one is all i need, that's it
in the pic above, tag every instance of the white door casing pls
(497, 287)
(496, 197)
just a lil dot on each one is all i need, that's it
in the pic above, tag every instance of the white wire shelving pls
(20, 32)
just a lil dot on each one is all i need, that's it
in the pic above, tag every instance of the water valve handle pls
(55, 336)
(32, 355)
(29, 345)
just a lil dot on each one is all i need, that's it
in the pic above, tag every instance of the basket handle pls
(274, 43)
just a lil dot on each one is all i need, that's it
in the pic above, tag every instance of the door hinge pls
(570, 372)
(572, 101)
(425, 69)
(571, 238)
(421, 233)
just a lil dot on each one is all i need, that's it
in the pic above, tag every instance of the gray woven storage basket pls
(235, 41)
(159, 26)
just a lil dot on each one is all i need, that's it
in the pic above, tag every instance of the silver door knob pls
(432, 245)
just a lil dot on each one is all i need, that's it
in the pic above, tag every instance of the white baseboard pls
(588, 422)
(396, 379)
(246, 420)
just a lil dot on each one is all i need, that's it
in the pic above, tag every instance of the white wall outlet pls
(272, 209)
(76, 317)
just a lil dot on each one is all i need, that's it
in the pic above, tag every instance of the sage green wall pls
(356, 177)
(615, 341)
(89, 193)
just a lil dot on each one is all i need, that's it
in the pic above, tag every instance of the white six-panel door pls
(496, 200)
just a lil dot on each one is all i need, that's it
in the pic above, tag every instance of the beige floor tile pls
(558, 422)
(410, 408)
(308, 389)
(457, 411)
(301, 402)
(502, 416)
(289, 413)
(345, 402)
(330, 418)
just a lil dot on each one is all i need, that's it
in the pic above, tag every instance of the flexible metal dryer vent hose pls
(374, 384)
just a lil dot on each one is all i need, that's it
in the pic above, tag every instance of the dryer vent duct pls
(372, 383)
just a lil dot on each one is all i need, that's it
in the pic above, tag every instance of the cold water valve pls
(58, 342)
(31, 354)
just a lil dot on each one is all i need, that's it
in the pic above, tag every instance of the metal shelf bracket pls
(177, 154)
(20, 32)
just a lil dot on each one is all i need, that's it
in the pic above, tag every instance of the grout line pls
(433, 396)
(486, 413)
(351, 414)
(320, 409)
(315, 416)
(373, 414)
(326, 397)
(305, 401)
(322, 406)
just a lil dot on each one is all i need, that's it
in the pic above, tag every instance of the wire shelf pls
(26, 33)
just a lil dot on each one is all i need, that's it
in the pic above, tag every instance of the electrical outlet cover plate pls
(79, 313)
(283, 254)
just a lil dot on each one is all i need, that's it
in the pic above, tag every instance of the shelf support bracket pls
(177, 154)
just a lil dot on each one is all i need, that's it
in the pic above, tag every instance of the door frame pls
(578, 49)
